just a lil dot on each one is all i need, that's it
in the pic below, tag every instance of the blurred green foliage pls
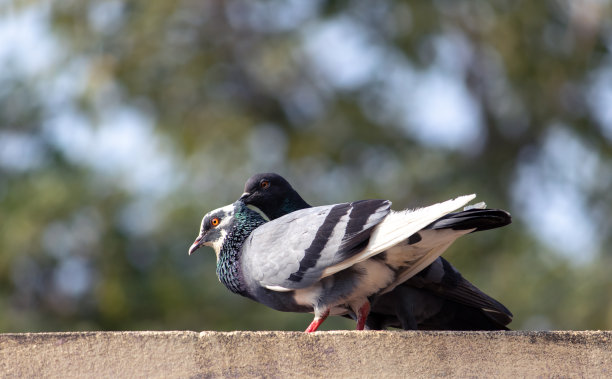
(132, 119)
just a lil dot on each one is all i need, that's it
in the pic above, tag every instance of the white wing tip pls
(467, 197)
(460, 200)
(278, 288)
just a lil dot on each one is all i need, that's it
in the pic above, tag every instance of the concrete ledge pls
(293, 354)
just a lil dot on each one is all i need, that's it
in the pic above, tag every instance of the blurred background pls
(122, 123)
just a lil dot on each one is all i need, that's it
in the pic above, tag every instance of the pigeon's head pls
(272, 194)
(214, 228)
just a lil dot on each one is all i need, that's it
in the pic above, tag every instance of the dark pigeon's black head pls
(272, 194)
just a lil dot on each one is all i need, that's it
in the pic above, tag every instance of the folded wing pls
(292, 251)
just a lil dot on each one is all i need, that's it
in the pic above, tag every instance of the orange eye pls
(264, 184)
(214, 221)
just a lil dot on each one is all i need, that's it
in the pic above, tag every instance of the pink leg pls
(314, 325)
(362, 315)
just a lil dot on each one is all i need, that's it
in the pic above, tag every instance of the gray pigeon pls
(328, 260)
(436, 298)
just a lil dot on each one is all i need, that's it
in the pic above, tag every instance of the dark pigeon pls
(327, 260)
(436, 298)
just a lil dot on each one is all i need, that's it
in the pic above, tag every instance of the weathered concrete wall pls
(292, 354)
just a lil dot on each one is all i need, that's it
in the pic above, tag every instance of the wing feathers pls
(313, 252)
(397, 227)
(292, 251)
(363, 216)
(400, 225)
(475, 219)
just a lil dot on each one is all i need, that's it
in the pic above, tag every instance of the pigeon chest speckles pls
(228, 262)
(229, 274)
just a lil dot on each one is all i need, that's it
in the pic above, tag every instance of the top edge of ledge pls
(206, 333)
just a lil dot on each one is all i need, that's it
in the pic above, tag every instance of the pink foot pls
(362, 315)
(314, 325)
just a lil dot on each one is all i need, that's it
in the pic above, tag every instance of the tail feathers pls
(466, 293)
(455, 316)
(443, 280)
(477, 219)
(413, 307)
(499, 318)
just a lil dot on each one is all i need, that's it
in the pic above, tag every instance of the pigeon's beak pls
(196, 244)
(244, 196)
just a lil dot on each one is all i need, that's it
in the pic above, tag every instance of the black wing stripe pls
(313, 252)
(360, 212)
(356, 236)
